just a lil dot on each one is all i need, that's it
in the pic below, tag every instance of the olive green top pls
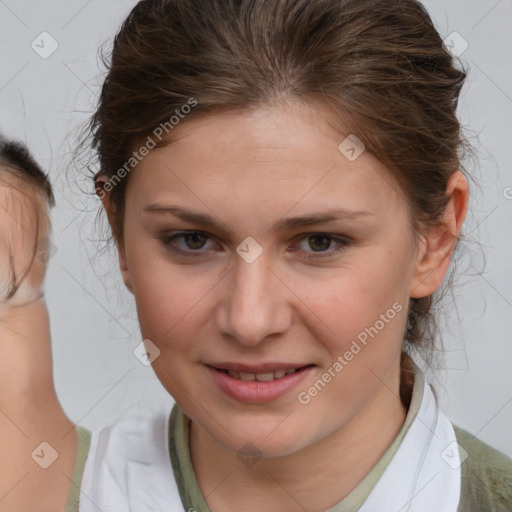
(84, 442)
(486, 474)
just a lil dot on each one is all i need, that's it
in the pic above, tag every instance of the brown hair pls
(379, 65)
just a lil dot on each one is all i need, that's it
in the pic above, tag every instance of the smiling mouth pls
(262, 377)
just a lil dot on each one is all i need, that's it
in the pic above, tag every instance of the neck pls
(335, 465)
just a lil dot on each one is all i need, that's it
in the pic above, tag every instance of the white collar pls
(424, 473)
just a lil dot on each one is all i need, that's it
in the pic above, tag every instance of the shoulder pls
(486, 475)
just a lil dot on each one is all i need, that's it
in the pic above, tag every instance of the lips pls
(258, 387)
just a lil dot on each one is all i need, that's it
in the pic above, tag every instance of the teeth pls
(263, 377)
(260, 377)
(233, 374)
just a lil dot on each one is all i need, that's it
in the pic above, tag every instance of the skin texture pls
(249, 170)
(30, 411)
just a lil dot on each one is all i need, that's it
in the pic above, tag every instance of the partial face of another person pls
(251, 286)
(24, 238)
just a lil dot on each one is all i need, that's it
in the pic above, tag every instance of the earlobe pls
(433, 261)
(440, 241)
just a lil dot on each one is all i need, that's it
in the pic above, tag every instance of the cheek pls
(353, 299)
(164, 301)
(170, 298)
(365, 310)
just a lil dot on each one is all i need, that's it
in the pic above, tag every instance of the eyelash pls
(168, 239)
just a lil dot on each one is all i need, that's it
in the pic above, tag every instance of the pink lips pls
(256, 392)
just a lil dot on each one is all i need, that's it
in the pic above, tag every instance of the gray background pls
(93, 320)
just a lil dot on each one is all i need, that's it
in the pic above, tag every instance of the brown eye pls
(192, 242)
(321, 245)
(319, 242)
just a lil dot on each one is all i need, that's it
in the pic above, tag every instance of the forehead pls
(277, 156)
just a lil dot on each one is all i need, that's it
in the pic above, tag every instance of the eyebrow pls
(334, 214)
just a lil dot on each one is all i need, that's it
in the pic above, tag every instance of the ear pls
(103, 190)
(439, 242)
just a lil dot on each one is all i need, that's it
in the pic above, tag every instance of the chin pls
(249, 438)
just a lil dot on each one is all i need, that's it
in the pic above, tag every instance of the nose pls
(254, 304)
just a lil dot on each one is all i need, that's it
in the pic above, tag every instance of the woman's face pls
(256, 288)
